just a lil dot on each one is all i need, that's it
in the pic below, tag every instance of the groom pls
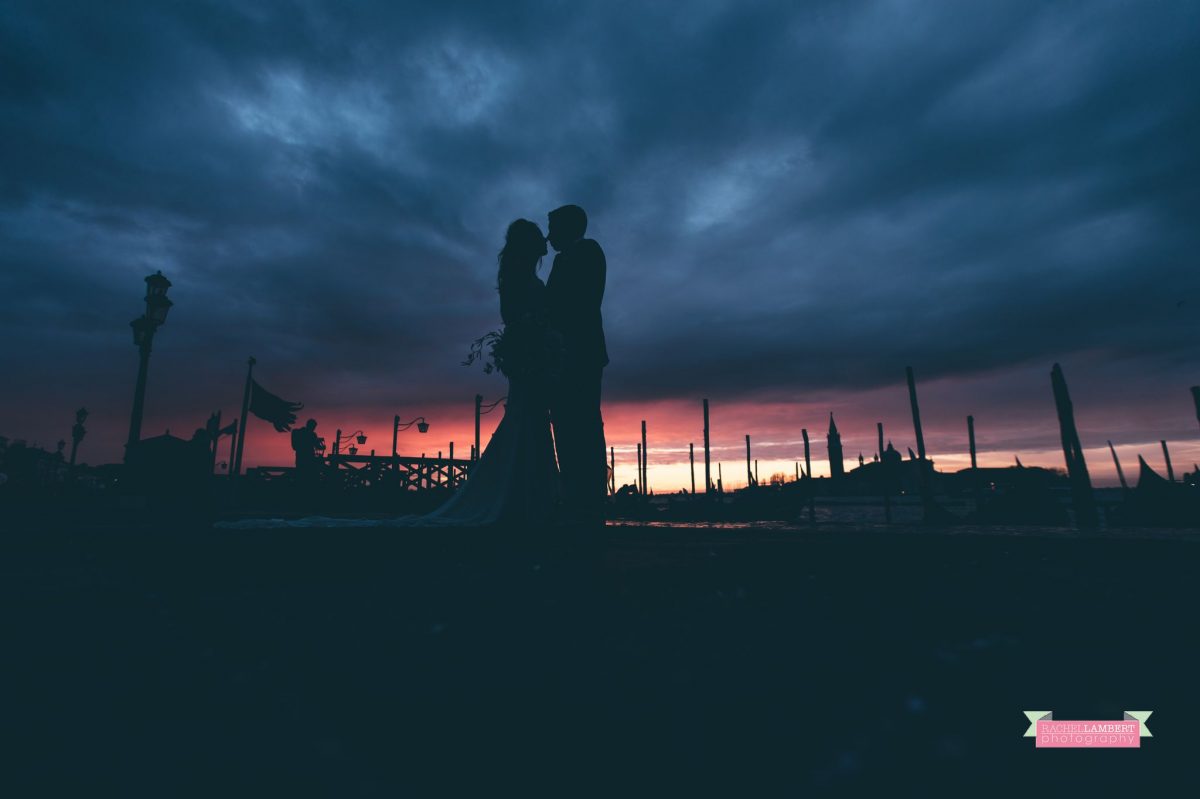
(574, 292)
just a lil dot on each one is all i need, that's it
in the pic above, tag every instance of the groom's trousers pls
(579, 440)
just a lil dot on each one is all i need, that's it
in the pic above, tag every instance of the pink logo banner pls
(1089, 734)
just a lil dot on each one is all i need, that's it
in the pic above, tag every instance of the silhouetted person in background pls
(306, 445)
(574, 293)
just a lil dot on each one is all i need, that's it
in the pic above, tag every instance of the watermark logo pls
(1125, 734)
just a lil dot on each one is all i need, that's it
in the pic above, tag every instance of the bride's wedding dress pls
(515, 479)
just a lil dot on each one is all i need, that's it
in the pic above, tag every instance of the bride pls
(515, 479)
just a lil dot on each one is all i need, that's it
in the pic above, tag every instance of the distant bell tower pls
(836, 469)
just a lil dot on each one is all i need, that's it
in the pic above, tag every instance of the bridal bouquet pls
(518, 351)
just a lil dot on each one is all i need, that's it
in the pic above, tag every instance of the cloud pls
(795, 201)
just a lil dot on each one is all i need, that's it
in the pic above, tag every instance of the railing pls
(366, 471)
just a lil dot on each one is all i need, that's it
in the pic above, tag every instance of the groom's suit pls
(574, 292)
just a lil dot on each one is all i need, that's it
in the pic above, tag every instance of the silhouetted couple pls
(553, 353)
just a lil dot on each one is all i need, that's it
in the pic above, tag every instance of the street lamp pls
(157, 306)
(480, 410)
(340, 439)
(422, 427)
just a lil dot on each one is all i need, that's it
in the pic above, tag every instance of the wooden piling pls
(1167, 458)
(612, 470)
(478, 413)
(922, 467)
(974, 464)
(638, 481)
(692, 465)
(212, 461)
(885, 470)
(645, 459)
(237, 423)
(1117, 463)
(1086, 517)
(812, 511)
(707, 455)
(971, 439)
(749, 474)
(807, 459)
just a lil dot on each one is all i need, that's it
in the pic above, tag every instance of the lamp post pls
(157, 306)
(78, 431)
(422, 427)
(480, 410)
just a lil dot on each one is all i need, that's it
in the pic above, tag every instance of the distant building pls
(836, 467)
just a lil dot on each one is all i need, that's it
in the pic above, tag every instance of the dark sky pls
(796, 200)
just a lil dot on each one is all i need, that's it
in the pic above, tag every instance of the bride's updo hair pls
(524, 246)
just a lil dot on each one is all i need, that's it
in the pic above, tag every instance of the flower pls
(518, 351)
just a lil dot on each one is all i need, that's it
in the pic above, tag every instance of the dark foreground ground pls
(367, 662)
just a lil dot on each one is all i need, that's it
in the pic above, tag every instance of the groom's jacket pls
(574, 293)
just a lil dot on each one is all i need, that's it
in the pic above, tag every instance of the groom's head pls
(567, 226)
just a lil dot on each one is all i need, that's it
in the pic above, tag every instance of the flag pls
(270, 408)
(229, 429)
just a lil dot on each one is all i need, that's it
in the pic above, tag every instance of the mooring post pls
(707, 455)
(692, 465)
(1167, 458)
(645, 460)
(971, 440)
(974, 464)
(478, 413)
(612, 470)
(885, 471)
(749, 474)
(1117, 463)
(641, 489)
(237, 423)
(922, 465)
(812, 487)
(1086, 517)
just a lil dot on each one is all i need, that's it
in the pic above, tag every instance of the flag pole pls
(236, 466)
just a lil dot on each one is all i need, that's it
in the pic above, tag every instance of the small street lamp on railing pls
(480, 410)
(340, 439)
(157, 306)
(422, 427)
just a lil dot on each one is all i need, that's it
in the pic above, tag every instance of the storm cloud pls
(796, 200)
